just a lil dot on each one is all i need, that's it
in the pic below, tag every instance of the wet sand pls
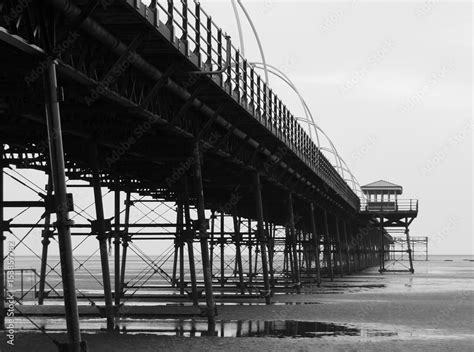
(432, 310)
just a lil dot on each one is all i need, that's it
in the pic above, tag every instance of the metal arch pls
(311, 123)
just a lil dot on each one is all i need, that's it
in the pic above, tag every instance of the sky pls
(389, 82)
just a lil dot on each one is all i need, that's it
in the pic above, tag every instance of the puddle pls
(250, 328)
(223, 328)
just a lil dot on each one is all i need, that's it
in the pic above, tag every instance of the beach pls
(432, 310)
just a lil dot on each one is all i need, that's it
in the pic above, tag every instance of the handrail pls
(204, 38)
(399, 205)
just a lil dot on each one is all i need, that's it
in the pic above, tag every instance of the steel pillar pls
(189, 242)
(296, 273)
(339, 249)
(348, 250)
(102, 237)
(203, 238)
(2, 242)
(238, 253)
(117, 281)
(56, 154)
(270, 248)
(221, 246)
(407, 232)
(382, 248)
(249, 230)
(327, 246)
(261, 237)
(47, 234)
(315, 242)
(125, 242)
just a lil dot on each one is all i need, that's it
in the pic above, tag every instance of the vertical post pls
(102, 237)
(189, 241)
(47, 234)
(382, 249)
(346, 240)
(238, 253)
(407, 232)
(213, 219)
(203, 236)
(426, 248)
(339, 249)
(270, 252)
(261, 237)
(117, 248)
(294, 255)
(56, 154)
(222, 240)
(2, 241)
(180, 245)
(315, 242)
(327, 246)
(125, 242)
(249, 238)
(175, 260)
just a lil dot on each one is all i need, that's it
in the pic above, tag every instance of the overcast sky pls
(390, 83)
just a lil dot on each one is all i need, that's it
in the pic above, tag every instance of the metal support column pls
(382, 246)
(348, 250)
(46, 234)
(315, 242)
(238, 252)
(63, 223)
(125, 240)
(2, 241)
(407, 232)
(339, 249)
(117, 281)
(327, 246)
(203, 237)
(261, 237)
(221, 246)
(102, 237)
(190, 234)
(297, 278)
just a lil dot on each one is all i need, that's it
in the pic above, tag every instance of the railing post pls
(197, 29)
(265, 104)
(237, 75)
(245, 87)
(169, 22)
(259, 95)
(184, 36)
(252, 89)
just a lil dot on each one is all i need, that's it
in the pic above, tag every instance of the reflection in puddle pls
(223, 328)
(248, 328)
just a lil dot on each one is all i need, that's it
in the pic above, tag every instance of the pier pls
(153, 107)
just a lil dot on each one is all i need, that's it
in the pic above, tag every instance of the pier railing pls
(202, 38)
(401, 205)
